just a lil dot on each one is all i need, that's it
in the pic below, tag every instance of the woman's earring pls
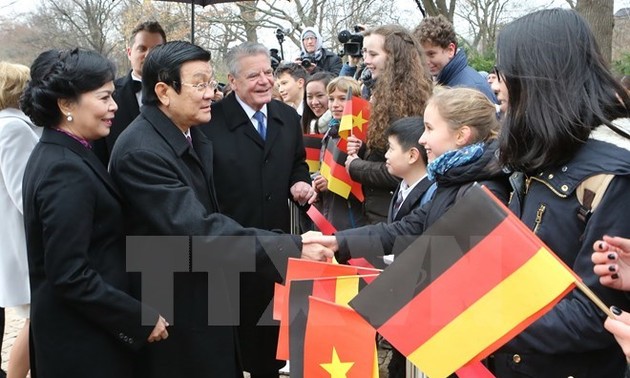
(69, 117)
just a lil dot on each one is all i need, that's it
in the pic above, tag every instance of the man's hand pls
(328, 241)
(159, 331)
(302, 192)
(316, 252)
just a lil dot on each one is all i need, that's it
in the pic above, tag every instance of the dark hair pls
(164, 63)
(307, 115)
(559, 89)
(62, 74)
(295, 70)
(407, 132)
(149, 27)
(436, 30)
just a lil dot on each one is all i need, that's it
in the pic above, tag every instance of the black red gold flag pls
(481, 281)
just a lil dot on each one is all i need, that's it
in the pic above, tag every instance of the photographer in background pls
(314, 57)
(355, 67)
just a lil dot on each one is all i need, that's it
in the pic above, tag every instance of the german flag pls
(463, 288)
(338, 342)
(299, 269)
(313, 147)
(333, 169)
(354, 120)
(339, 290)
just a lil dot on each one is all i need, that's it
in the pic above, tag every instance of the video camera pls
(352, 42)
(280, 35)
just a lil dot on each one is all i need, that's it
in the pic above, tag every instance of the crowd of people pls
(204, 180)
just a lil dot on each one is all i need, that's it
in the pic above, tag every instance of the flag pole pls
(593, 297)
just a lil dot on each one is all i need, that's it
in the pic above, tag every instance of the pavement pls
(11, 328)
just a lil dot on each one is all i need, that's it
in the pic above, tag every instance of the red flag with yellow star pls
(338, 342)
(354, 120)
(306, 278)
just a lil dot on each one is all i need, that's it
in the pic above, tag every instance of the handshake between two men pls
(318, 247)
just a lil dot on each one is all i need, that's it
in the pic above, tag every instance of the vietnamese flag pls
(338, 342)
(333, 169)
(464, 288)
(313, 147)
(339, 290)
(354, 121)
(299, 269)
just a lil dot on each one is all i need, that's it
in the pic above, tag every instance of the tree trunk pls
(248, 14)
(600, 16)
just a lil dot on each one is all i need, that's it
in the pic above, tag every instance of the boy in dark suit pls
(407, 159)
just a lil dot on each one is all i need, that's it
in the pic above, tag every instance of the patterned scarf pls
(454, 158)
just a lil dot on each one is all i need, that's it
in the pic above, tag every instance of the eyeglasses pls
(202, 87)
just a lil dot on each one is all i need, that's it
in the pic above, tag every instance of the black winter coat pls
(570, 340)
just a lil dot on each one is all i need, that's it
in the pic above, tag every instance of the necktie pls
(189, 139)
(398, 203)
(136, 85)
(262, 128)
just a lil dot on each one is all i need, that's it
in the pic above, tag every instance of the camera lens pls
(344, 36)
(306, 63)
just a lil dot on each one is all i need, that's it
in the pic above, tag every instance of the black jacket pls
(253, 178)
(377, 183)
(376, 240)
(330, 62)
(570, 340)
(168, 187)
(83, 322)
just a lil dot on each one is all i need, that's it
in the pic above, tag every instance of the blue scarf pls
(454, 158)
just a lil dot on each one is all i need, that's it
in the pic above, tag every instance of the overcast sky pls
(408, 9)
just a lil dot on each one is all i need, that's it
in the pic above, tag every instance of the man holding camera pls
(314, 57)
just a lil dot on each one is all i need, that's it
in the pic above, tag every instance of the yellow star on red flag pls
(336, 368)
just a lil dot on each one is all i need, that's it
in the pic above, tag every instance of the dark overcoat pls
(83, 322)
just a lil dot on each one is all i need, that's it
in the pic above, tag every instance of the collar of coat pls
(604, 152)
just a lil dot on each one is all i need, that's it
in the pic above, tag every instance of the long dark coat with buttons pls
(252, 179)
(168, 187)
(83, 322)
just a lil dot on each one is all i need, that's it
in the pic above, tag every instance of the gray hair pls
(233, 57)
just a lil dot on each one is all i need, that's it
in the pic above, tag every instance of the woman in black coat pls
(567, 120)
(83, 322)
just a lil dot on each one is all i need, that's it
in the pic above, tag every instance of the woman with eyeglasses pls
(566, 120)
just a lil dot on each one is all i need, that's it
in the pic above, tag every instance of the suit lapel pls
(233, 110)
(204, 154)
(390, 214)
(198, 159)
(413, 198)
(274, 126)
(56, 137)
